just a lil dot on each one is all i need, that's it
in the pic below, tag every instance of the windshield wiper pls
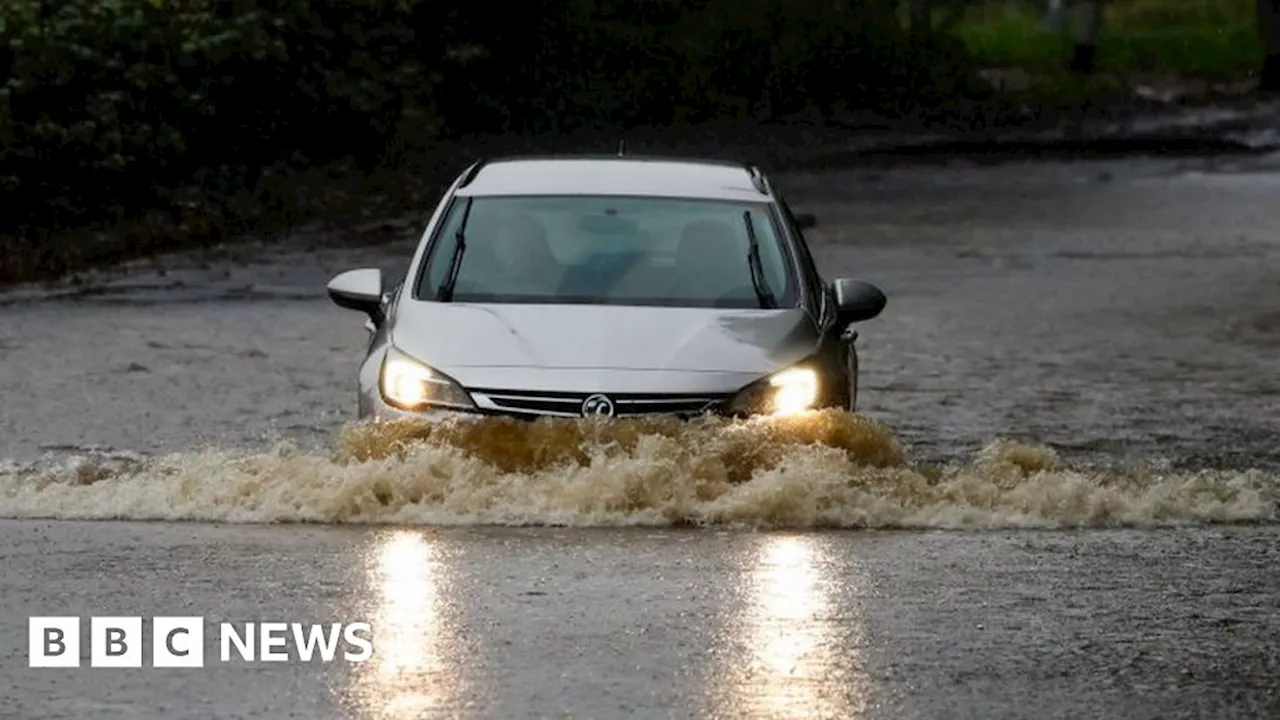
(757, 270)
(455, 263)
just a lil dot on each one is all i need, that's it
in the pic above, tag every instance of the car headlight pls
(410, 385)
(783, 393)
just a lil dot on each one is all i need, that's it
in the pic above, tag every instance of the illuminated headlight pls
(410, 385)
(784, 393)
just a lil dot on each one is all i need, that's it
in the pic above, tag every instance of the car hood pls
(598, 337)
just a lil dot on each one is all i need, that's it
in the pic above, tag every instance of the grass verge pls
(1196, 50)
(1208, 39)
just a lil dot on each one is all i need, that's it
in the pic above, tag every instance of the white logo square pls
(53, 642)
(115, 642)
(177, 642)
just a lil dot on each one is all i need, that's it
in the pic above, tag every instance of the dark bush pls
(112, 107)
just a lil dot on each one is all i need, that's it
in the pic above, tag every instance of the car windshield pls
(610, 251)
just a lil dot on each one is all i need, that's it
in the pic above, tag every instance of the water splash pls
(823, 469)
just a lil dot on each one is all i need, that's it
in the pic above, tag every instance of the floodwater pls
(1068, 428)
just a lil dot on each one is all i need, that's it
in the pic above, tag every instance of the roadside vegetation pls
(1148, 52)
(1204, 39)
(129, 126)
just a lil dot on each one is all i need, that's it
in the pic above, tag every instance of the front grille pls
(569, 404)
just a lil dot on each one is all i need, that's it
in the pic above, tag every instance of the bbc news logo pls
(178, 642)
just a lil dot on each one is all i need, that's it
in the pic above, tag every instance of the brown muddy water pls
(1079, 360)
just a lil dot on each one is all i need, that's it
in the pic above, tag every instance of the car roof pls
(634, 175)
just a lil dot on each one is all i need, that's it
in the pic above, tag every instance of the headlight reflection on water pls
(801, 661)
(795, 646)
(411, 671)
(407, 612)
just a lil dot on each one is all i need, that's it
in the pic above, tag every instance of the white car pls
(609, 286)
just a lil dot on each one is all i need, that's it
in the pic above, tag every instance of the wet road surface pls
(1117, 321)
(632, 623)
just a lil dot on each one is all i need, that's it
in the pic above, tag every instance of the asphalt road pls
(1062, 504)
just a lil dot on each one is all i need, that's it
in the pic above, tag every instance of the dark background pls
(133, 125)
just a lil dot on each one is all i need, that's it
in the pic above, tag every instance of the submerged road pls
(599, 624)
(1118, 322)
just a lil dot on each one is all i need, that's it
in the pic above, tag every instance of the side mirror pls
(804, 221)
(359, 290)
(857, 301)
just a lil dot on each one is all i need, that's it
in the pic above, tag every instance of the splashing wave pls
(826, 469)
